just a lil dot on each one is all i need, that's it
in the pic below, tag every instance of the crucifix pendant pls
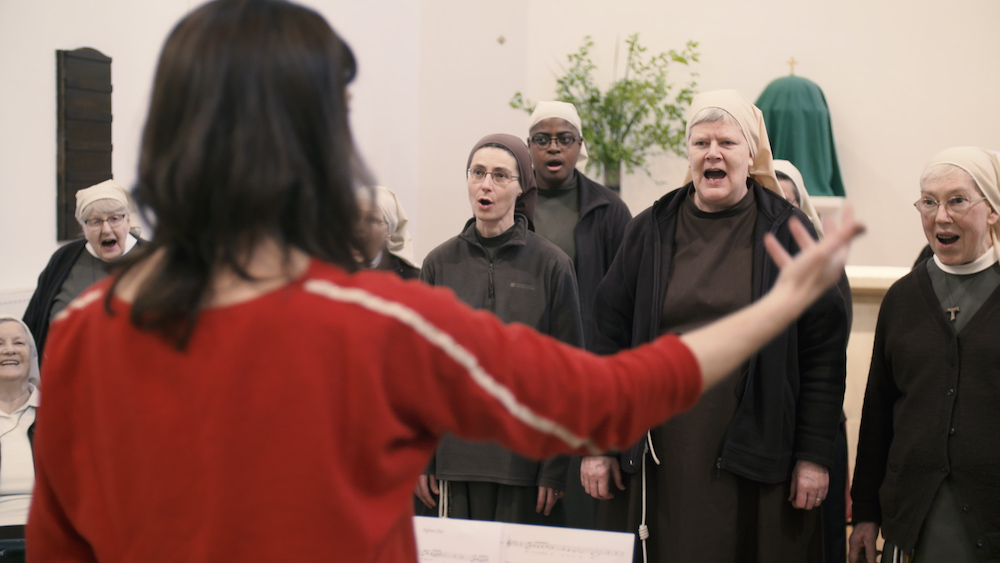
(953, 311)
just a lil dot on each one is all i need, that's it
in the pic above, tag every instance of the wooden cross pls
(791, 63)
(953, 311)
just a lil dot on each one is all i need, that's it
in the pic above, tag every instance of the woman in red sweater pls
(265, 402)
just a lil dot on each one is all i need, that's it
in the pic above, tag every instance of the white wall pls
(384, 97)
(384, 113)
(30, 33)
(903, 79)
(466, 78)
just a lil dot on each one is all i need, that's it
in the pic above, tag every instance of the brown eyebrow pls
(483, 168)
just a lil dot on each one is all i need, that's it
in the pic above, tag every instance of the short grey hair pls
(942, 169)
(101, 206)
(711, 115)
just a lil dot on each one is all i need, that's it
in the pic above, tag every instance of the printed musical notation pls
(555, 551)
(446, 540)
(442, 555)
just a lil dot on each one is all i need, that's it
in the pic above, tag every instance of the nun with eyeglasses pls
(499, 264)
(103, 211)
(928, 466)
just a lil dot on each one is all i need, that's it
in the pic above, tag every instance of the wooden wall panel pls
(83, 155)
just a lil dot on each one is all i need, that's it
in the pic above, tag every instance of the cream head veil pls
(108, 189)
(562, 110)
(789, 169)
(984, 167)
(400, 242)
(751, 121)
(34, 375)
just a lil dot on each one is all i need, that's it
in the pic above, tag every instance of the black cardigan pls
(932, 412)
(50, 281)
(597, 235)
(793, 391)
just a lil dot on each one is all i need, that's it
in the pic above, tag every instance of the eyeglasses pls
(543, 140)
(957, 205)
(500, 178)
(112, 221)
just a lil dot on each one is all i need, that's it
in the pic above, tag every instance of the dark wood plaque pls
(83, 154)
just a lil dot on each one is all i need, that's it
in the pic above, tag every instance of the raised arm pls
(484, 378)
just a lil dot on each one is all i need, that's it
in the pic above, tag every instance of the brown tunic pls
(697, 512)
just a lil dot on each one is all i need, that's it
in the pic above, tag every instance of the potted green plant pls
(636, 115)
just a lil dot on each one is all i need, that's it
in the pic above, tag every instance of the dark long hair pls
(247, 139)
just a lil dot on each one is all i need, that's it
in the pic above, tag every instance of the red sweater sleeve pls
(322, 402)
(484, 380)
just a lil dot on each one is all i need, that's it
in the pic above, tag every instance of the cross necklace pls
(955, 309)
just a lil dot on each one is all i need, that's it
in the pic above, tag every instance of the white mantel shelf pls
(873, 281)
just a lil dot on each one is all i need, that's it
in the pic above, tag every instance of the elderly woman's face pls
(957, 238)
(15, 351)
(719, 158)
(107, 233)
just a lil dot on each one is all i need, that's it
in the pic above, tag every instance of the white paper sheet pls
(447, 540)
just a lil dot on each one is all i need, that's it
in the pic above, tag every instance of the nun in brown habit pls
(740, 476)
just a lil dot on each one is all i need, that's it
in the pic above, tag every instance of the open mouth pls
(9, 363)
(109, 243)
(483, 202)
(715, 174)
(946, 240)
(554, 165)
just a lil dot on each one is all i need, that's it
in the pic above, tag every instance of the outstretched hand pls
(820, 263)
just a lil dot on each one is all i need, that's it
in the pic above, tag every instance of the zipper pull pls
(491, 280)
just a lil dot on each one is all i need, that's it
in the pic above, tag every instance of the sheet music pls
(447, 540)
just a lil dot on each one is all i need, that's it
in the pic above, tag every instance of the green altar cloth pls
(798, 124)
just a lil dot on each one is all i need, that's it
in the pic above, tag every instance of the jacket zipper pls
(491, 279)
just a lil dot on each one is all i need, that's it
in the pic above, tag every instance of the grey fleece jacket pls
(530, 281)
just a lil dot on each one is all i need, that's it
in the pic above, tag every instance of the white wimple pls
(456, 351)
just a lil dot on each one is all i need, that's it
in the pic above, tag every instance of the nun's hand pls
(810, 484)
(547, 499)
(596, 474)
(427, 490)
